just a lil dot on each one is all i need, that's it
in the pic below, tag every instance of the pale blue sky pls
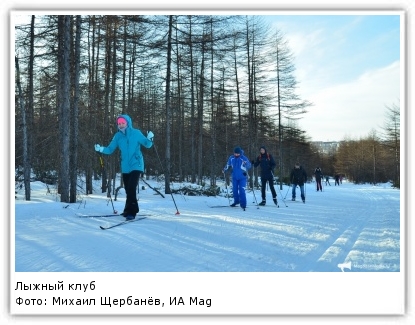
(348, 65)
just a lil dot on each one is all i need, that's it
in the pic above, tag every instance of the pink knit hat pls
(122, 120)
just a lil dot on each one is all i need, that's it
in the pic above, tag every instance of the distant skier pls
(328, 180)
(336, 180)
(267, 163)
(240, 164)
(298, 177)
(318, 175)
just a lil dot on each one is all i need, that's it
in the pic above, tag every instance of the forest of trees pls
(202, 83)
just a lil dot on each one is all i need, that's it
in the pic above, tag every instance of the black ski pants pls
(318, 181)
(130, 185)
(271, 187)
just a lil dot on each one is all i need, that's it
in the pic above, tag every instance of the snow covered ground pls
(339, 253)
(356, 225)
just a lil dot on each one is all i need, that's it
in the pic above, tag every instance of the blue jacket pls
(129, 143)
(238, 164)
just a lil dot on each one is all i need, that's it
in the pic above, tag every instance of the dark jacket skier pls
(318, 175)
(267, 163)
(298, 177)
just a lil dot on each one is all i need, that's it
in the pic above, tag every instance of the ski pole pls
(253, 191)
(108, 192)
(162, 169)
(283, 200)
(280, 191)
(305, 188)
(155, 190)
(226, 186)
(289, 186)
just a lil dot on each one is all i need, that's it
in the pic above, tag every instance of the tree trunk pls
(192, 108)
(74, 119)
(64, 107)
(168, 110)
(200, 116)
(26, 163)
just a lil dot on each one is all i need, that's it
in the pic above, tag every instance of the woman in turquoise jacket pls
(129, 141)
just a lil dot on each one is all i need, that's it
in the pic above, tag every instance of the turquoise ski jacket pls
(129, 142)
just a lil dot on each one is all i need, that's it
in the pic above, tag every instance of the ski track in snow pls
(357, 223)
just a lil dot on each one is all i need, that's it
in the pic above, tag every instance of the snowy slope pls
(262, 261)
(359, 224)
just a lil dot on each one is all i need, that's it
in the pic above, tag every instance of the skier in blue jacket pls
(129, 140)
(240, 164)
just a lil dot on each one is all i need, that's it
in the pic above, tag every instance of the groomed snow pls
(355, 225)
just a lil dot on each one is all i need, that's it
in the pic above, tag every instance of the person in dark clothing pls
(337, 180)
(298, 177)
(267, 163)
(318, 174)
(327, 180)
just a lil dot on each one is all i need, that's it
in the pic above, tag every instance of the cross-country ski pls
(98, 216)
(121, 223)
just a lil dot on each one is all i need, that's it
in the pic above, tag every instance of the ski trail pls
(349, 243)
